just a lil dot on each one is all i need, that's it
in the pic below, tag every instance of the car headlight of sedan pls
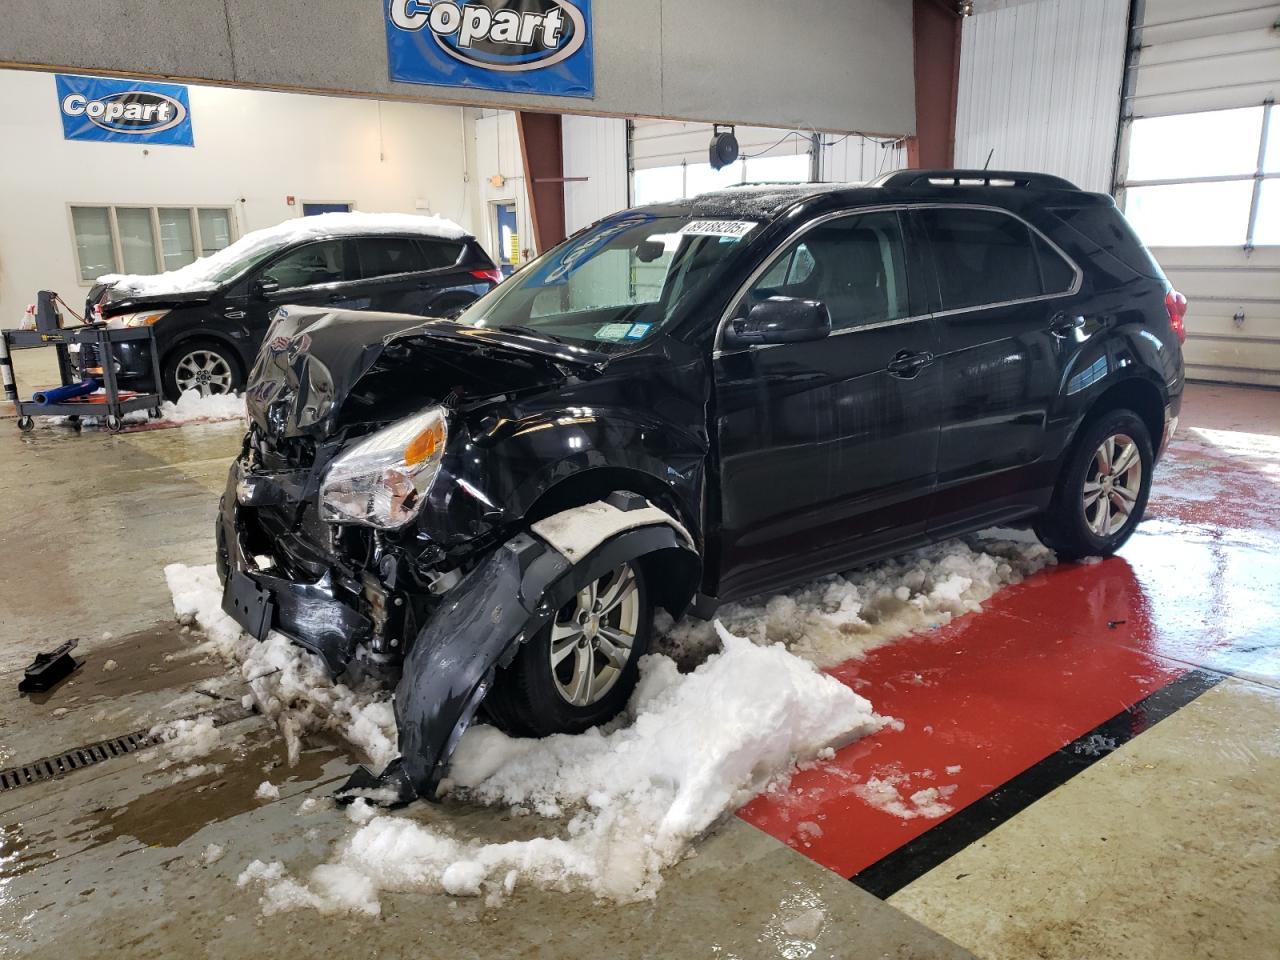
(383, 479)
(144, 318)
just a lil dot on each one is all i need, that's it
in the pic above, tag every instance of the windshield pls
(241, 264)
(614, 285)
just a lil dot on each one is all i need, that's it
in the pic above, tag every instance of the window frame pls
(924, 239)
(916, 244)
(1266, 130)
(157, 248)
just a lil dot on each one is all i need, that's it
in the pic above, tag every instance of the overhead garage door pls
(1200, 173)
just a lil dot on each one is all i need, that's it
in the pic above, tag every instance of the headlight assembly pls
(382, 480)
(143, 319)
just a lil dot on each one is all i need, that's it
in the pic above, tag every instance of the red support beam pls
(542, 145)
(936, 34)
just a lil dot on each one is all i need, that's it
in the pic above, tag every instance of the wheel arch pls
(188, 337)
(1138, 394)
(673, 584)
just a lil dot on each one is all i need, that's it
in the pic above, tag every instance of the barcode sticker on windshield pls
(718, 228)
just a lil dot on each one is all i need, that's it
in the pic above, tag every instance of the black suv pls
(686, 404)
(210, 321)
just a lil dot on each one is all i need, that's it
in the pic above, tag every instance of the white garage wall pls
(498, 177)
(1040, 85)
(252, 149)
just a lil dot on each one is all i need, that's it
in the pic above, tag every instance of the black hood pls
(319, 369)
(117, 300)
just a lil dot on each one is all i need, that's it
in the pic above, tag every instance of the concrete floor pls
(1165, 848)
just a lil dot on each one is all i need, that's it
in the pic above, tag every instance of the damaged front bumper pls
(316, 605)
(474, 628)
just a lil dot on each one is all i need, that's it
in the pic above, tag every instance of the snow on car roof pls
(753, 200)
(204, 274)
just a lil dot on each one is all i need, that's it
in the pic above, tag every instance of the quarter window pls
(129, 239)
(984, 257)
(854, 265)
(440, 253)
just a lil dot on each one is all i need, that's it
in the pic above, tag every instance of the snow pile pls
(208, 272)
(885, 793)
(288, 684)
(267, 791)
(834, 619)
(192, 406)
(634, 797)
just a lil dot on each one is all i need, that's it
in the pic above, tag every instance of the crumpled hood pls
(319, 369)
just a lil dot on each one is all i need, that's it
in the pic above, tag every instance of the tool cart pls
(85, 366)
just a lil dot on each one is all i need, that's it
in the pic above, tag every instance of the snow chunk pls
(184, 740)
(192, 406)
(267, 791)
(109, 666)
(207, 272)
(884, 791)
(212, 854)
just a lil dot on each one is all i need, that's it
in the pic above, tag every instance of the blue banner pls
(513, 46)
(124, 111)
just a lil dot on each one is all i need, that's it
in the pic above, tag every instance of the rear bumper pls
(320, 614)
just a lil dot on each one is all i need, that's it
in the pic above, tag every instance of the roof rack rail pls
(961, 178)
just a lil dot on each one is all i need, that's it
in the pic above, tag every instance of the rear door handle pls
(1063, 326)
(906, 364)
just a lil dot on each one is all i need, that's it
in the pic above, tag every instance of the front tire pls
(1102, 492)
(579, 670)
(206, 366)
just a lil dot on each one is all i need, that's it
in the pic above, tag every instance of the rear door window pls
(387, 256)
(986, 257)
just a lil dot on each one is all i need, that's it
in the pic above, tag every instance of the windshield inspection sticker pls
(638, 331)
(718, 228)
(613, 331)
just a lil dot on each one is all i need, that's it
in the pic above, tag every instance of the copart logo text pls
(507, 35)
(136, 111)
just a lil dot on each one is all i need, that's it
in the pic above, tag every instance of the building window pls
(1205, 179)
(129, 239)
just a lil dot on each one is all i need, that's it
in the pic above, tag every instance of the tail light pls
(1176, 304)
(493, 275)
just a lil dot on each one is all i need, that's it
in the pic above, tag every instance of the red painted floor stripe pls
(991, 693)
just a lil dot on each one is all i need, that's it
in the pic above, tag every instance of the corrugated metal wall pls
(595, 148)
(1040, 86)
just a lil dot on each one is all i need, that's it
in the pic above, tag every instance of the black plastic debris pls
(47, 669)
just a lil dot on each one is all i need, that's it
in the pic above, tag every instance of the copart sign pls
(124, 111)
(513, 46)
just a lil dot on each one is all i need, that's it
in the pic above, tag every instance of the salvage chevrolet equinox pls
(682, 405)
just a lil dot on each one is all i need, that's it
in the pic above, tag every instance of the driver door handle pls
(906, 364)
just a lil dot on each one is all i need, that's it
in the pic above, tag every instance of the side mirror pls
(780, 320)
(264, 287)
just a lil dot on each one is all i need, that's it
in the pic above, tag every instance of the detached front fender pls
(502, 603)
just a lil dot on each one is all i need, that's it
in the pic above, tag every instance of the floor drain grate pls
(77, 758)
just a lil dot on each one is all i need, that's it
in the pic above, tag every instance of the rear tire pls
(534, 696)
(206, 365)
(1102, 491)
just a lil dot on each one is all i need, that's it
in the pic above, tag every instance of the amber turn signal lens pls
(422, 447)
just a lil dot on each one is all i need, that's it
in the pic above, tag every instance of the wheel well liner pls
(1135, 393)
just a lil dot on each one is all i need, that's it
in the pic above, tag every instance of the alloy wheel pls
(1112, 485)
(592, 637)
(204, 371)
